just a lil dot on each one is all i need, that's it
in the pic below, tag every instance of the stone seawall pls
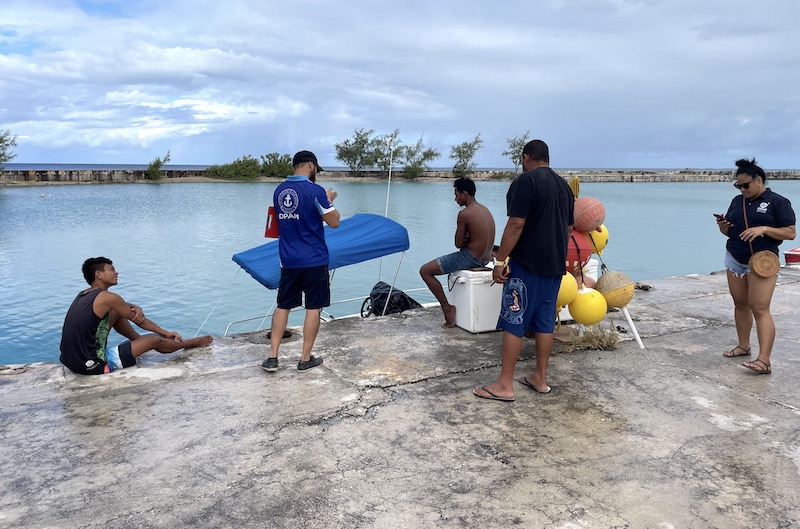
(32, 177)
(91, 176)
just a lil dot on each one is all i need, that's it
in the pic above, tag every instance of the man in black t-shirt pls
(530, 263)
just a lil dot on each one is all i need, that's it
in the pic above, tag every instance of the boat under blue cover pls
(357, 239)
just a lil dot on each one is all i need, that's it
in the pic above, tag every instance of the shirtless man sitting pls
(474, 237)
(95, 312)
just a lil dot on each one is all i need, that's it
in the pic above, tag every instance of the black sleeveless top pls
(84, 336)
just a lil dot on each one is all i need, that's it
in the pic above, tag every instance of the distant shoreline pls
(84, 176)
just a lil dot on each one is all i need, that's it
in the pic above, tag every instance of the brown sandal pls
(758, 366)
(732, 352)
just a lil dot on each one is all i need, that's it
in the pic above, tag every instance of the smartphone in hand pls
(721, 218)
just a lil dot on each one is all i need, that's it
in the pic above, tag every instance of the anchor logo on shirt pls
(288, 200)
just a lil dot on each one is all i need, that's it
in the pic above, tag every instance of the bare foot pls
(200, 341)
(449, 316)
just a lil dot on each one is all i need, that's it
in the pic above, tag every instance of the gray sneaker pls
(270, 364)
(308, 364)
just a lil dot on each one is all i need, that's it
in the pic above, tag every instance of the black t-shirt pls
(545, 201)
(770, 209)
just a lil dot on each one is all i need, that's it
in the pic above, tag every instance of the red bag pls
(272, 224)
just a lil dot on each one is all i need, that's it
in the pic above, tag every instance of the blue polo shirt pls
(299, 206)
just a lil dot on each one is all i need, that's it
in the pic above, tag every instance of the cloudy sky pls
(606, 83)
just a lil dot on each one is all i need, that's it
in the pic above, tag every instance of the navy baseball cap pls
(306, 156)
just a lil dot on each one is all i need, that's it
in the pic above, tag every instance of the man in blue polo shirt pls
(301, 205)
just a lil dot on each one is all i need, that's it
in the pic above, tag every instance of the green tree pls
(7, 141)
(463, 154)
(277, 165)
(387, 150)
(417, 158)
(245, 168)
(357, 152)
(154, 169)
(515, 146)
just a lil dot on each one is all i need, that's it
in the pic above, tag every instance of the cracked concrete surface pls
(387, 433)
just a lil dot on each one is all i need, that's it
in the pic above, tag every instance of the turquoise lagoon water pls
(172, 245)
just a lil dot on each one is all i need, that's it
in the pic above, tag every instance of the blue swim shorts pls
(119, 357)
(529, 302)
(460, 260)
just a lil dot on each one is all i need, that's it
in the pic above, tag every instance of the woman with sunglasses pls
(770, 221)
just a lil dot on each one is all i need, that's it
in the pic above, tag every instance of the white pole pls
(633, 327)
(388, 187)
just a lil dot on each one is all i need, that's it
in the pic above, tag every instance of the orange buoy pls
(579, 251)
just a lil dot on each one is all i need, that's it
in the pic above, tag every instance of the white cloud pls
(609, 83)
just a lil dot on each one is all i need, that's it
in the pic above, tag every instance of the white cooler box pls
(590, 270)
(476, 299)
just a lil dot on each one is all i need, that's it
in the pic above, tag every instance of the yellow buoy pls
(588, 307)
(567, 290)
(599, 239)
(617, 288)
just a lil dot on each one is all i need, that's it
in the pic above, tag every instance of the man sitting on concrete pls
(475, 238)
(95, 312)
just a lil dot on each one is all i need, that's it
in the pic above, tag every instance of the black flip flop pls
(492, 396)
(524, 382)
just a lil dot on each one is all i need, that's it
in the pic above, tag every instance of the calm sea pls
(172, 245)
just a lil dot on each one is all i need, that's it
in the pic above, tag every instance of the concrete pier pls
(387, 434)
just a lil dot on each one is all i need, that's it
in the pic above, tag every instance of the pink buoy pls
(588, 281)
(590, 213)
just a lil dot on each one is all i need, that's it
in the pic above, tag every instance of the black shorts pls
(313, 282)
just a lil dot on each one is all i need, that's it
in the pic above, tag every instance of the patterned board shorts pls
(119, 357)
(529, 302)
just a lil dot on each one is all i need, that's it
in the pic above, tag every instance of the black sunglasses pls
(744, 186)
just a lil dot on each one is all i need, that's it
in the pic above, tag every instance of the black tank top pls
(84, 336)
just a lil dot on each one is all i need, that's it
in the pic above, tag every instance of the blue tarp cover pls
(360, 238)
